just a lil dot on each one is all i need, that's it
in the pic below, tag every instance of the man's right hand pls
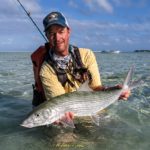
(68, 116)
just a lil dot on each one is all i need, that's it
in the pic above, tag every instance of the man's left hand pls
(125, 95)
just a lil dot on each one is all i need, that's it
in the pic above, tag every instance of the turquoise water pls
(126, 125)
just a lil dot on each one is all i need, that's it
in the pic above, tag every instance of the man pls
(66, 67)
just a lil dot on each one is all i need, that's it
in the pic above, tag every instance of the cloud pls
(16, 27)
(73, 4)
(108, 35)
(93, 5)
(32, 6)
(123, 2)
(108, 6)
(130, 3)
(11, 13)
(7, 41)
(103, 4)
(12, 7)
(129, 41)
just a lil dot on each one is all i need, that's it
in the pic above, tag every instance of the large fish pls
(81, 103)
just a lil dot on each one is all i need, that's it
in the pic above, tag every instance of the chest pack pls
(77, 71)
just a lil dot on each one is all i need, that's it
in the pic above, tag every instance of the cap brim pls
(55, 22)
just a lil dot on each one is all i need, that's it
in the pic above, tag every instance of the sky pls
(96, 24)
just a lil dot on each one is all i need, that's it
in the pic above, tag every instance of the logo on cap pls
(53, 16)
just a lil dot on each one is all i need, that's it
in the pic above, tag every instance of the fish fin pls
(67, 122)
(127, 81)
(96, 119)
(85, 87)
(136, 83)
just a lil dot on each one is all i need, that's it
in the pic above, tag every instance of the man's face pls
(58, 37)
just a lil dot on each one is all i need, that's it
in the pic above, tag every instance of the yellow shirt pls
(52, 87)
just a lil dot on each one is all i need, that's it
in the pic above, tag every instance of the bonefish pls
(81, 103)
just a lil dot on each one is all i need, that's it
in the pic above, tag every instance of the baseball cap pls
(55, 18)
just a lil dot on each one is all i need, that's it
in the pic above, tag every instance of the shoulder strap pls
(81, 67)
(77, 56)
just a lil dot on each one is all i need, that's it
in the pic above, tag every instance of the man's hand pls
(68, 116)
(125, 95)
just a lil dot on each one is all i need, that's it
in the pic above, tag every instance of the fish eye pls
(37, 115)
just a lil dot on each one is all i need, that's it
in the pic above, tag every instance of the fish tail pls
(136, 83)
(128, 80)
(128, 83)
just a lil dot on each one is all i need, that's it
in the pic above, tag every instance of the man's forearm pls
(105, 88)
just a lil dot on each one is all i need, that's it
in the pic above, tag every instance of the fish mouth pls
(26, 125)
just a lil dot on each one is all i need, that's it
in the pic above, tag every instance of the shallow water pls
(125, 126)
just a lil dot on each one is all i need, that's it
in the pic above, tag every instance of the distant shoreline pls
(137, 51)
(117, 52)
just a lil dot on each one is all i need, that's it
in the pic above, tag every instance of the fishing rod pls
(28, 14)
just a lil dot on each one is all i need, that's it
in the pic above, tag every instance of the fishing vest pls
(77, 71)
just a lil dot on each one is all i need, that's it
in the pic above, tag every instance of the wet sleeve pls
(52, 87)
(91, 64)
